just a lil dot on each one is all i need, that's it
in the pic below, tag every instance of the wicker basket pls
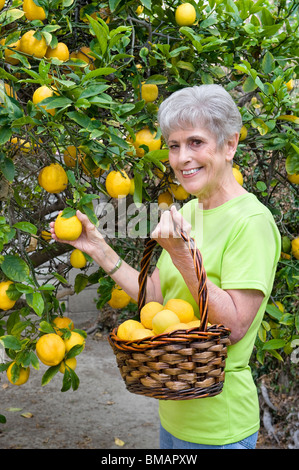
(180, 365)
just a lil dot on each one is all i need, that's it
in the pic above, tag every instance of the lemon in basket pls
(148, 312)
(141, 333)
(126, 328)
(181, 308)
(177, 326)
(163, 320)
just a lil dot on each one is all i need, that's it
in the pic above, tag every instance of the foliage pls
(249, 47)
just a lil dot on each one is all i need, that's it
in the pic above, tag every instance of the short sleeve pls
(251, 255)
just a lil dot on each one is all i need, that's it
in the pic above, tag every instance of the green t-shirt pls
(240, 247)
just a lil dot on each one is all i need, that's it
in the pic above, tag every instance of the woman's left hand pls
(166, 232)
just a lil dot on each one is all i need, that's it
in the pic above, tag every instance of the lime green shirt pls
(240, 247)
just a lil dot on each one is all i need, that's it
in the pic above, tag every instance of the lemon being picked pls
(24, 373)
(147, 313)
(5, 302)
(67, 228)
(163, 320)
(181, 308)
(77, 259)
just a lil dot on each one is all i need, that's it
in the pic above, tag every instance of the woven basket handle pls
(199, 270)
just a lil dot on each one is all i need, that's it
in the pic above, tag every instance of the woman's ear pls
(231, 146)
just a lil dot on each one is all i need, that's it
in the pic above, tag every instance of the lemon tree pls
(88, 67)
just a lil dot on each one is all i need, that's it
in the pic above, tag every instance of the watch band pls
(116, 267)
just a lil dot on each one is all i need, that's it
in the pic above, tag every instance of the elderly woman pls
(240, 246)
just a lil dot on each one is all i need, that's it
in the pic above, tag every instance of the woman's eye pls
(196, 142)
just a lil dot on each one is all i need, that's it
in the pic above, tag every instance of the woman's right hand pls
(90, 239)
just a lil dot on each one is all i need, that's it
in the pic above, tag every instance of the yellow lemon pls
(77, 259)
(71, 155)
(149, 92)
(126, 328)
(243, 133)
(238, 175)
(32, 11)
(42, 93)
(32, 46)
(74, 340)
(24, 373)
(163, 320)
(175, 327)
(70, 363)
(119, 298)
(185, 14)
(50, 349)
(181, 308)
(179, 192)
(61, 52)
(118, 184)
(68, 228)
(145, 137)
(165, 200)
(147, 313)
(46, 235)
(62, 323)
(5, 302)
(53, 178)
(294, 178)
(141, 333)
(8, 52)
(295, 247)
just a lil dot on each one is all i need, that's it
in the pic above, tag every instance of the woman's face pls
(199, 166)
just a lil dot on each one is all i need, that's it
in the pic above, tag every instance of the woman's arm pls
(235, 308)
(93, 244)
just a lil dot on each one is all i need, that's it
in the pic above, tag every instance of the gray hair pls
(208, 106)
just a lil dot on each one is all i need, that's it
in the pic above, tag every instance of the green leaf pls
(81, 281)
(49, 374)
(268, 62)
(274, 344)
(8, 169)
(5, 134)
(15, 268)
(45, 327)
(26, 227)
(2, 419)
(10, 342)
(98, 72)
(36, 302)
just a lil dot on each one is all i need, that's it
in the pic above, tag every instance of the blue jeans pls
(168, 441)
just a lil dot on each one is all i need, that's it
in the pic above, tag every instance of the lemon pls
(24, 373)
(149, 92)
(61, 52)
(294, 178)
(118, 184)
(238, 175)
(8, 52)
(147, 313)
(74, 340)
(70, 363)
(32, 46)
(42, 93)
(53, 178)
(177, 326)
(181, 308)
(243, 133)
(77, 259)
(179, 192)
(163, 320)
(5, 302)
(62, 323)
(165, 200)
(145, 137)
(50, 349)
(185, 14)
(2, 3)
(141, 333)
(68, 228)
(71, 155)
(119, 298)
(125, 329)
(46, 235)
(32, 11)
(295, 247)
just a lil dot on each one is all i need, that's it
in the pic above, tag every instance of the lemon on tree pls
(84, 55)
(181, 308)
(71, 155)
(243, 133)
(119, 298)
(77, 259)
(53, 178)
(23, 374)
(2, 3)
(165, 200)
(149, 92)
(50, 349)
(295, 247)
(62, 323)
(33, 11)
(33, 46)
(5, 302)
(147, 313)
(42, 93)
(146, 137)
(67, 228)
(70, 363)
(185, 14)
(238, 175)
(8, 52)
(75, 339)
(125, 329)
(294, 178)
(61, 52)
(46, 235)
(179, 192)
(118, 184)
(90, 168)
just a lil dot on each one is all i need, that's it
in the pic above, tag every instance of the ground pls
(100, 414)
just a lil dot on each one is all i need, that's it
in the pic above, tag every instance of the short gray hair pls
(208, 106)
